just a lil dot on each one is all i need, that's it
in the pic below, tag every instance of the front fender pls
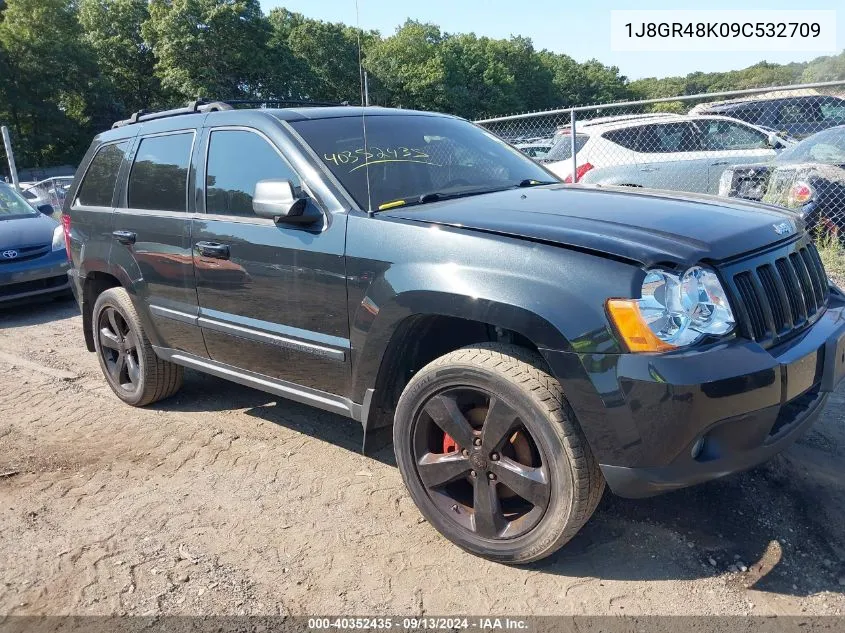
(552, 296)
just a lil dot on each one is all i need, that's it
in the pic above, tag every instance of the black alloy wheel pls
(492, 453)
(479, 464)
(132, 369)
(119, 349)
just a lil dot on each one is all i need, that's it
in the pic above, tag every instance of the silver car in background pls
(661, 151)
(50, 191)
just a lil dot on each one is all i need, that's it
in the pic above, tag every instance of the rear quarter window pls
(751, 114)
(562, 149)
(98, 184)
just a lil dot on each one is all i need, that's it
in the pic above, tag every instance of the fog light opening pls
(697, 448)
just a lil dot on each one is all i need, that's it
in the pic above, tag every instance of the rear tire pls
(543, 444)
(132, 369)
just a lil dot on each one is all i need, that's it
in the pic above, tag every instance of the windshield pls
(410, 157)
(13, 204)
(824, 147)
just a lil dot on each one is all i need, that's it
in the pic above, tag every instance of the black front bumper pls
(661, 422)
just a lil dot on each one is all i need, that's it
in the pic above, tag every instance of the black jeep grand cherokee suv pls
(528, 341)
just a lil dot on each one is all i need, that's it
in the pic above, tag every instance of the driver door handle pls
(649, 168)
(723, 162)
(213, 249)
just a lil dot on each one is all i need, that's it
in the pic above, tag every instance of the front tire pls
(133, 371)
(492, 455)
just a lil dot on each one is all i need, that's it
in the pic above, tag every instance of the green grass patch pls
(832, 253)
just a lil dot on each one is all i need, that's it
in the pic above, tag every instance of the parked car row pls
(748, 148)
(50, 191)
(661, 151)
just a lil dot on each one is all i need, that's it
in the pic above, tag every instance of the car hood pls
(647, 227)
(29, 231)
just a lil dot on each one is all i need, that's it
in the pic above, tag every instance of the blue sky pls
(580, 28)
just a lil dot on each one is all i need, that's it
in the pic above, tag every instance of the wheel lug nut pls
(491, 476)
(477, 441)
(494, 457)
(473, 474)
(465, 453)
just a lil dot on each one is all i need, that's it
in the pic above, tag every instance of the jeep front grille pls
(779, 294)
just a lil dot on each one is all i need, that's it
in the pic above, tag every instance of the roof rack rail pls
(284, 102)
(201, 105)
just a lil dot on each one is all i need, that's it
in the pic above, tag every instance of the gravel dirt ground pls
(225, 500)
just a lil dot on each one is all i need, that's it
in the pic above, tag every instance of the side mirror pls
(774, 141)
(275, 199)
(46, 209)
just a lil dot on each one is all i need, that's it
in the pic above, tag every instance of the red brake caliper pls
(449, 444)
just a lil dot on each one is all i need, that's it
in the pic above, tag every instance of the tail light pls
(579, 172)
(799, 194)
(66, 227)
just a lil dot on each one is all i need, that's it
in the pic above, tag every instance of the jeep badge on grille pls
(782, 228)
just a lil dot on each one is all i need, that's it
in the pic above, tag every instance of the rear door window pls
(626, 137)
(665, 138)
(237, 160)
(800, 112)
(97, 186)
(751, 113)
(159, 177)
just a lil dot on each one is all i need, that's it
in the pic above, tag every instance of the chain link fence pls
(783, 146)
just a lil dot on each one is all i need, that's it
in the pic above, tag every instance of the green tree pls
(330, 52)
(112, 30)
(485, 75)
(46, 75)
(583, 84)
(210, 48)
(831, 68)
(409, 67)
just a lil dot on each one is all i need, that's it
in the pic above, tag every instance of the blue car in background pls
(33, 256)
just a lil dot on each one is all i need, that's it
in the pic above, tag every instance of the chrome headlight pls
(674, 310)
(58, 238)
(682, 309)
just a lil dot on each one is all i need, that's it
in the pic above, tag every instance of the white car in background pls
(660, 151)
(50, 191)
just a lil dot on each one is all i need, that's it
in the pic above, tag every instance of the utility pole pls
(14, 170)
(366, 90)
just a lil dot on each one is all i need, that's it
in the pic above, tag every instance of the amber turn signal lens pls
(629, 323)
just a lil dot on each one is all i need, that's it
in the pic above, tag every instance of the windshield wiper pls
(437, 196)
(528, 182)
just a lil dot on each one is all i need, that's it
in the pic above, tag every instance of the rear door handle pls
(724, 162)
(125, 237)
(213, 249)
(649, 168)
